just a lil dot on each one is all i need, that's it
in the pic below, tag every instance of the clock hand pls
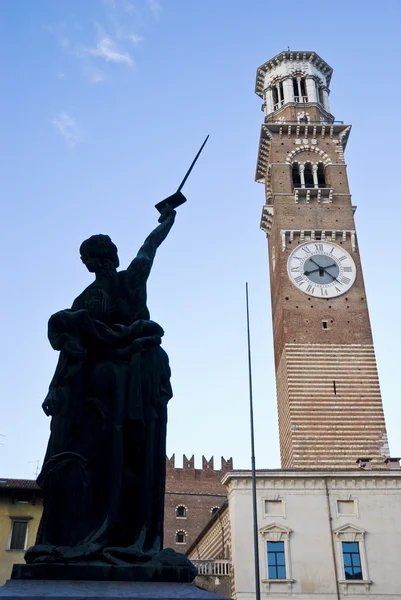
(313, 271)
(332, 276)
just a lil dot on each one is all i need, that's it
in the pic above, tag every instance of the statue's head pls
(99, 254)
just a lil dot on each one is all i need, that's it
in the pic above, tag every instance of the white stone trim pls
(273, 498)
(185, 536)
(346, 498)
(275, 532)
(351, 533)
(306, 148)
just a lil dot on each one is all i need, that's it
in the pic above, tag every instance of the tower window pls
(324, 324)
(321, 180)
(296, 177)
(308, 174)
(321, 95)
(334, 388)
(275, 97)
(299, 86)
(181, 512)
(180, 537)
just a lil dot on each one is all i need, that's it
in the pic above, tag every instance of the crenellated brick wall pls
(199, 491)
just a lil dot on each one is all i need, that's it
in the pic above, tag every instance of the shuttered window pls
(18, 535)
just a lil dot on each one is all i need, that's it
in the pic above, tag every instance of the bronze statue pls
(104, 470)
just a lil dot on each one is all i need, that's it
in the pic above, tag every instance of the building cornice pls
(295, 57)
(284, 474)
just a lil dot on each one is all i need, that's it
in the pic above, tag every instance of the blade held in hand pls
(174, 200)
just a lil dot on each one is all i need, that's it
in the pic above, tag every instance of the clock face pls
(321, 269)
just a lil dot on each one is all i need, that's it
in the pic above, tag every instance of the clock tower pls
(329, 403)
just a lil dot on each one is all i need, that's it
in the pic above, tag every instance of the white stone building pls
(322, 535)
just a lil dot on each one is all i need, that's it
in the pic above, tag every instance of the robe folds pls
(104, 471)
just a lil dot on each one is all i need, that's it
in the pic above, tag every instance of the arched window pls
(308, 175)
(275, 97)
(296, 177)
(181, 511)
(321, 180)
(299, 86)
(214, 510)
(181, 537)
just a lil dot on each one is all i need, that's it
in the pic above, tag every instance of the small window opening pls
(321, 181)
(303, 88)
(181, 511)
(295, 86)
(180, 537)
(334, 388)
(308, 175)
(324, 324)
(296, 177)
(214, 510)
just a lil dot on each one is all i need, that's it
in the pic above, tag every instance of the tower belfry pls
(329, 402)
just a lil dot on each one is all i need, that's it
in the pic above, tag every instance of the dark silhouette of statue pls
(104, 471)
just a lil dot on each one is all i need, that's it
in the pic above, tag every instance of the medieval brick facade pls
(192, 496)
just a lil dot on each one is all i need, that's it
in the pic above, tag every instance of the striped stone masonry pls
(330, 409)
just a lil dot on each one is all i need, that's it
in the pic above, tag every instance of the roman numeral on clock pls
(347, 269)
(319, 247)
(345, 280)
(306, 249)
(294, 269)
(323, 292)
(310, 288)
(299, 280)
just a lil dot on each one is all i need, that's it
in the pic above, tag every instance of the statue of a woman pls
(104, 471)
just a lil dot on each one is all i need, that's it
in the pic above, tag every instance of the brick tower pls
(329, 403)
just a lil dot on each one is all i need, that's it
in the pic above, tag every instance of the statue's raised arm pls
(147, 252)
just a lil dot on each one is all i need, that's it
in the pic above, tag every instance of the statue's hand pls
(166, 213)
(49, 404)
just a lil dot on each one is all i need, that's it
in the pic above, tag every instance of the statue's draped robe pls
(104, 470)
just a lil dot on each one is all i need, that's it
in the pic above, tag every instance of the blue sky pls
(104, 104)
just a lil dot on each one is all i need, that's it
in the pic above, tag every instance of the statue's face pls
(100, 265)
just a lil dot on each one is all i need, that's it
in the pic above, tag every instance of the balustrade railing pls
(213, 567)
(300, 98)
(278, 104)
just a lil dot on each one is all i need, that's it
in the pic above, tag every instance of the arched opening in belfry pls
(308, 176)
(299, 87)
(296, 176)
(321, 179)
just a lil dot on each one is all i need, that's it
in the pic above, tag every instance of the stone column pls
(302, 175)
(288, 90)
(325, 94)
(314, 173)
(279, 94)
(311, 90)
(269, 101)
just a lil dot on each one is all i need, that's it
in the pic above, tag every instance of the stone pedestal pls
(22, 589)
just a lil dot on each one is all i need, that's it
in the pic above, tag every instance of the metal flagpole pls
(255, 514)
